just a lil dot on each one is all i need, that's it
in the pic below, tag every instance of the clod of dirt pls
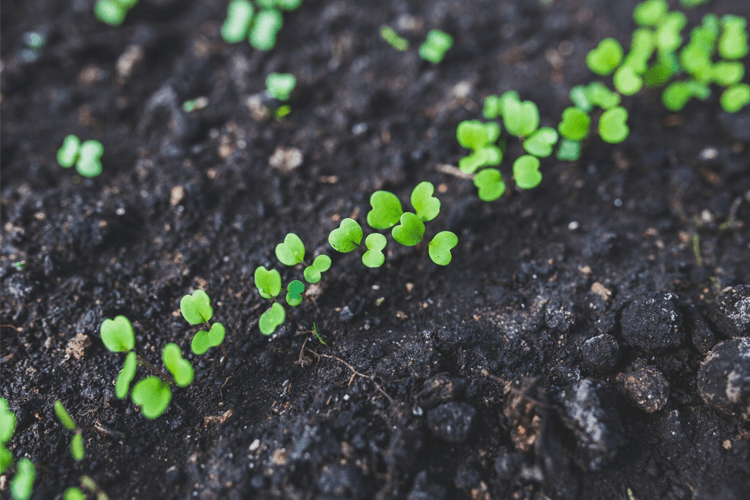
(703, 338)
(724, 377)
(452, 422)
(558, 317)
(507, 464)
(601, 353)
(644, 386)
(653, 323)
(425, 489)
(589, 412)
(343, 481)
(285, 160)
(77, 346)
(731, 312)
(439, 389)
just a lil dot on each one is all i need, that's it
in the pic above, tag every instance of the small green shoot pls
(74, 494)
(410, 231)
(627, 81)
(268, 282)
(490, 184)
(727, 73)
(613, 127)
(180, 368)
(374, 256)
(263, 33)
(347, 237)
(239, 16)
(76, 447)
(204, 340)
(280, 85)
(541, 142)
(117, 334)
(195, 104)
(292, 251)
(579, 95)
(76, 443)
(521, 119)
(390, 36)
(386, 210)
(315, 330)
(312, 272)
(295, 289)
(650, 12)
(271, 319)
(7, 422)
(735, 98)
(569, 150)
(668, 37)
(600, 95)
(152, 394)
(22, 484)
(437, 44)
(733, 43)
(113, 12)
(196, 308)
(440, 247)
(85, 156)
(575, 124)
(526, 172)
(126, 375)
(493, 107)
(603, 59)
(479, 137)
(20, 265)
(426, 205)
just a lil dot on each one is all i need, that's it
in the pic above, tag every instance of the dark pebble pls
(439, 389)
(452, 422)
(346, 315)
(731, 313)
(601, 353)
(558, 317)
(653, 323)
(703, 338)
(644, 386)
(507, 465)
(724, 377)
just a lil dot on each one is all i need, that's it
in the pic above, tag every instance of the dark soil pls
(472, 381)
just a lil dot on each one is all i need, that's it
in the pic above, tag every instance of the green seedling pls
(126, 375)
(493, 107)
(113, 12)
(650, 12)
(295, 289)
(426, 205)
(268, 282)
(603, 59)
(20, 265)
(569, 150)
(579, 95)
(312, 272)
(526, 172)
(85, 156)
(204, 340)
(410, 231)
(627, 81)
(292, 251)
(434, 48)
(76, 444)
(263, 33)
(272, 319)
(613, 126)
(479, 137)
(541, 142)
(642, 46)
(347, 237)
(440, 247)
(726, 73)
(521, 119)
(22, 484)
(194, 104)
(668, 37)
(490, 184)
(677, 94)
(197, 310)
(74, 494)
(735, 98)
(575, 124)
(374, 256)
(153, 395)
(239, 17)
(280, 85)
(659, 73)
(386, 210)
(117, 334)
(733, 43)
(320, 339)
(269, 287)
(180, 368)
(600, 95)
(488, 156)
(390, 36)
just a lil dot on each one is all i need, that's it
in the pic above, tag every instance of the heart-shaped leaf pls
(239, 17)
(152, 394)
(676, 96)
(386, 209)
(76, 447)
(735, 97)
(280, 85)
(89, 159)
(521, 119)
(7, 422)
(126, 376)
(440, 247)
(180, 368)
(541, 142)
(569, 150)
(733, 43)
(728, 73)
(73, 493)
(321, 264)
(117, 334)
(22, 484)
(267, 282)
(668, 38)
(68, 153)
(347, 237)
(627, 81)
(575, 124)
(271, 319)
(490, 184)
(196, 308)
(375, 244)
(292, 251)
(472, 134)
(294, 293)
(526, 172)
(650, 12)
(613, 126)
(204, 340)
(410, 231)
(579, 95)
(426, 205)
(267, 24)
(600, 95)
(63, 416)
(470, 164)
(605, 57)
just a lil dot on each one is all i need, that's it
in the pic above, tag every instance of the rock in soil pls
(731, 312)
(644, 386)
(452, 422)
(724, 377)
(653, 323)
(601, 353)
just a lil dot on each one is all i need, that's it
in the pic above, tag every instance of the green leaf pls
(472, 134)
(268, 282)
(89, 159)
(126, 376)
(668, 38)
(440, 247)
(660, 73)
(735, 97)
(526, 172)
(569, 150)
(294, 293)
(480, 158)
(109, 12)
(676, 96)
(601, 96)
(117, 334)
(490, 184)
(727, 74)
(347, 237)
(410, 231)
(493, 107)
(613, 125)
(271, 319)
(521, 119)
(280, 85)
(579, 95)
(627, 81)
(733, 43)
(385, 212)
(64, 417)
(73, 494)
(204, 340)
(180, 368)
(6, 459)
(375, 244)
(315, 329)
(605, 57)
(426, 205)
(239, 16)
(575, 124)
(267, 24)
(23, 484)
(321, 264)
(650, 12)
(152, 394)
(68, 152)
(76, 447)
(541, 142)
(7, 422)
(292, 251)
(390, 36)
(196, 308)
(437, 44)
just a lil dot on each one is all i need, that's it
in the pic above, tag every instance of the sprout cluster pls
(22, 484)
(197, 310)
(85, 156)
(113, 12)
(261, 27)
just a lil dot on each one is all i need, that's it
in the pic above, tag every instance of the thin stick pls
(451, 170)
(355, 372)
(18, 330)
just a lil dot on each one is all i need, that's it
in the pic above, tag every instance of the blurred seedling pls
(152, 394)
(197, 310)
(113, 12)
(320, 339)
(390, 36)
(735, 97)
(480, 138)
(22, 484)
(76, 444)
(85, 156)
(195, 104)
(88, 484)
(279, 86)
(433, 49)
(261, 28)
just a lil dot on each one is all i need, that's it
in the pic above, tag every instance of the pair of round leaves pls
(117, 334)
(152, 393)
(435, 46)
(613, 125)
(493, 105)
(386, 209)
(22, 484)
(113, 12)
(475, 135)
(85, 156)
(271, 319)
(605, 57)
(280, 85)
(490, 184)
(650, 12)
(521, 119)
(239, 24)
(348, 236)
(526, 172)
(542, 142)
(204, 340)
(269, 287)
(677, 94)
(76, 444)
(292, 252)
(489, 155)
(733, 43)
(595, 93)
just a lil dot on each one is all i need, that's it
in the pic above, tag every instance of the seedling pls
(348, 236)
(23, 483)
(490, 184)
(735, 98)
(668, 37)
(315, 330)
(113, 12)
(603, 59)
(526, 172)
(410, 231)
(292, 252)
(521, 119)
(239, 17)
(437, 44)
(295, 289)
(575, 124)
(727, 74)
(733, 43)
(541, 142)
(613, 126)
(280, 4)
(479, 137)
(267, 24)
(569, 150)
(195, 104)
(196, 309)
(650, 12)
(374, 256)
(280, 85)
(76, 444)
(627, 81)
(493, 105)
(268, 284)
(390, 36)
(677, 94)
(440, 247)
(85, 156)
(600, 95)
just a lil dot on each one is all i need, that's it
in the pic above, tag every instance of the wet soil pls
(558, 356)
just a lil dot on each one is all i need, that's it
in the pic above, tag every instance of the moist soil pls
(474, 380)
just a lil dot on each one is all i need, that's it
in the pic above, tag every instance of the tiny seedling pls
(292, 252)
(677, 94)
(735, 98)
(493, 105)
(541, 142)
(263, 33)
(480, 138)
(726, 73)
(526, 172)
(85, 156)
(295, 289)
(390, 36)
(374, 256)
(197, 310)
(613, 127)
(650, 12)
(668, 37)
(627, 81)
(410, 231)
(733, 43)
(76, 444)
(194, 104)
(569, 150)
(268, 284)
(22, 484)
(152, 394)
(490, 184)
(603, 59)
(280, 85)
(600, 95)
(440, 247)
(437, 44)
(113, 12)
(239, 17)
(575, 124)
(347, 237)
(521, 119)
(315, 330)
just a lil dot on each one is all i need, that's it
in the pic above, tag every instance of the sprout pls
(292, 251)
(152, 394)
(180, 368)
(603, 59)
(347, 237)
(315, 330)
(113, 12)
(735, 98)
(613, 126)
(85, 156)
(375, 244)
(126, 375)
(271, 319)
(668, 37)
(23, 484)
(196, 308)
(437, 44)
(490, 184)
(493, 107)
(600, 95)
(410, 231)
(541, 142)
(733, 43)
(650, 12)
(74, 494)
(204, 340)
(321, 264)
(295, 289)
(521, 119)
(76, 444)
(569, 150)
(526, 172)
(677, 94)
(117, 334)
(268, 282)
(479, 137)
(239, 16)
(390, 36)
(727, 74)
(267, 24)
(426, 205)
(642, 46)
(440, 247)
(195, 104)
(575, 124)
(627, 81)
(579, 95)
(280, 85)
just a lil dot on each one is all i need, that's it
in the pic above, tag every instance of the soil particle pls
(342, 481)
(731, 312)
(440, 389)
(644, 386)
(425, 489)
(653, 323)
(601, 353)
(703, 338)
(507, 465)
(724, 377)
(558, 316)
(452, 421)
